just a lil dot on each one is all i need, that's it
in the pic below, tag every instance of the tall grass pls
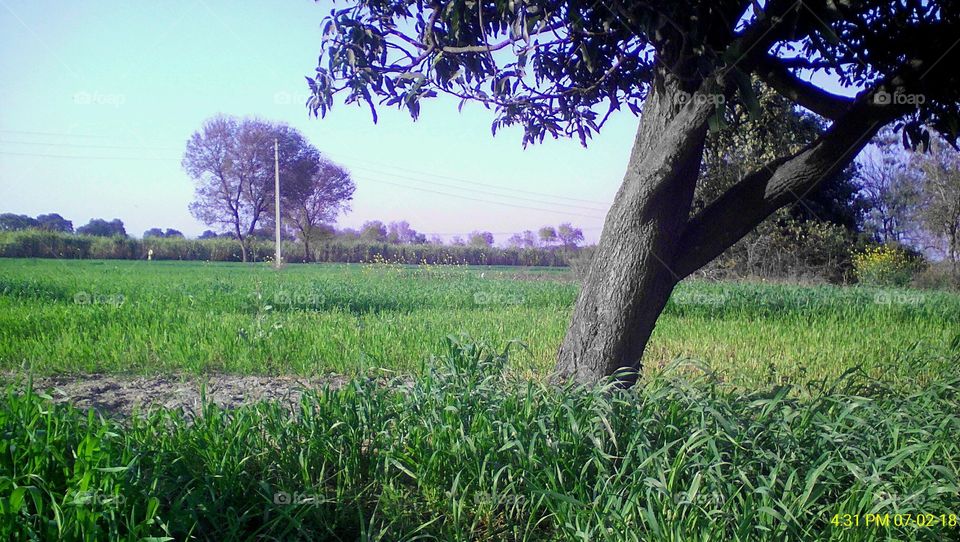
(468, 453)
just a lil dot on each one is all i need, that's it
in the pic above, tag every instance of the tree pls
(313, 191)
(568, 235)
(939, 212)
(481, 239)
(208, 234)
(54, 222)
(12, 222)
(551, 67)
(232, 162)
(373, 231)
(547, 235)
(153, 232)
(101, 228)
(891, 188)
(172, 233)
(524, 239)
(401, 233)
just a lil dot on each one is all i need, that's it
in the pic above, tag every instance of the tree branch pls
(779, 182)
(810, 96)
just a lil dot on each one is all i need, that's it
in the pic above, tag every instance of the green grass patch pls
(469, 453)
(144, 317)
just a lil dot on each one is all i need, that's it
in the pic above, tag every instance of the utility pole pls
(276, 196)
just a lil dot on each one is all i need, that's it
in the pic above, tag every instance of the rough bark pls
(630, 277)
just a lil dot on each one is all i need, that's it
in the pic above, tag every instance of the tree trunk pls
(650, 241)
(630, 278)
(243, 250)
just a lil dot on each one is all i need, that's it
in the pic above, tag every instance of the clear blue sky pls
(100, 97)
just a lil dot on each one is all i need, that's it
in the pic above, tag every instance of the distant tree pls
(547, 235)
(12, 222)
(208, 234)
(101, 228)
(400, 232)
(480, 239)
(939, 211)
(457, 241)
(568, 235)
(348, 233)
(435, 240)
(232, 162)
(312, 195)
(373, 231)
(153, 232)
(173, 233)
(524, 239)
(891, 190)
(55, 222)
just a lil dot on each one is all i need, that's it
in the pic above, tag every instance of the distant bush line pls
(45, 244)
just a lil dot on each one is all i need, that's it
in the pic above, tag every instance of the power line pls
(460, 180)
(480, 200)
(82, 146)
(444, 185)
(87, 157)
(55, 134)
(590, 207)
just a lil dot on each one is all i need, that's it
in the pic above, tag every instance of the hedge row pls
(43, 244)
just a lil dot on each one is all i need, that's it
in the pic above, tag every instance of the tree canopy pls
(560, 68)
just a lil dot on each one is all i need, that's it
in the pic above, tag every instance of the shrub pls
(886, 265)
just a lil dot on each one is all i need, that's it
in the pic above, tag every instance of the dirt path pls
(120, 394)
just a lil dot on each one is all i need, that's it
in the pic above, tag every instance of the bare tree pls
(939, 212)
(231, 161)
(890, 189)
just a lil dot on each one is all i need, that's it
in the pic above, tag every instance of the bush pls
(886, 265)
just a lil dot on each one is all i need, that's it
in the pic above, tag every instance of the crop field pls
(143, 317)
(767, 412)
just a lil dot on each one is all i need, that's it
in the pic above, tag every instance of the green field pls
(767, 412)
(193, 317)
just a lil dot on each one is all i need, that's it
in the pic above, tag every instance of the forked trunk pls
(630, 278)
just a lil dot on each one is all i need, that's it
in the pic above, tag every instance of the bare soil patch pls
(121, 395)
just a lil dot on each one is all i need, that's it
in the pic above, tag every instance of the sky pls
(100, 97)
